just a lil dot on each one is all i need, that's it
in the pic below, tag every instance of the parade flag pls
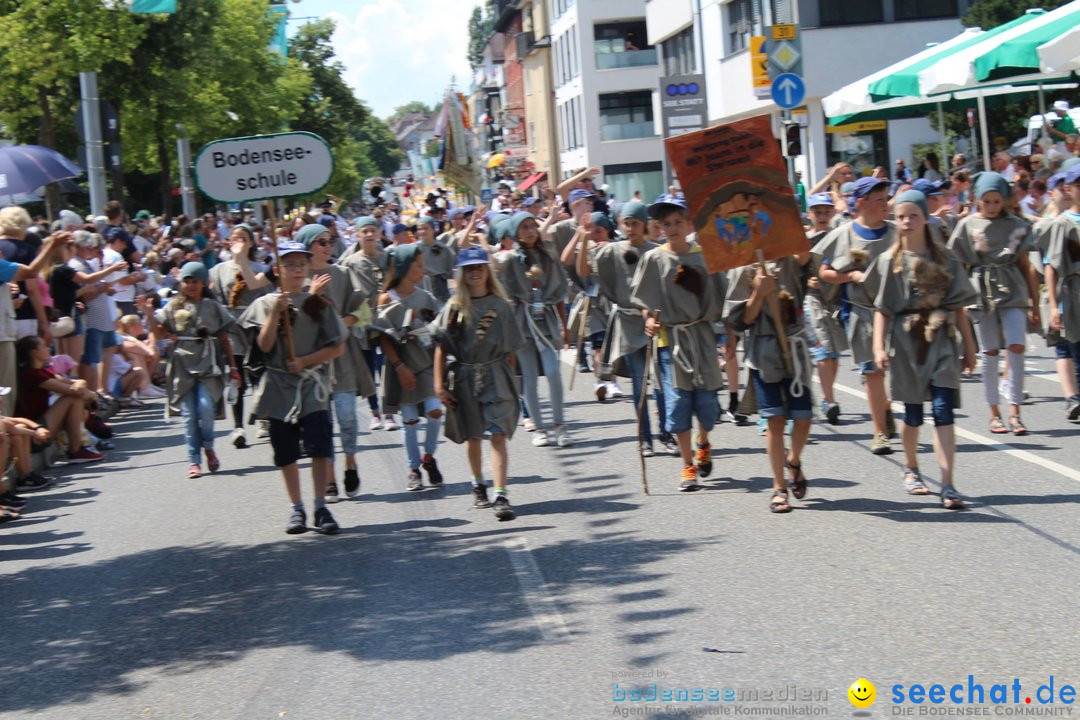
(738, 193)
(152, 6)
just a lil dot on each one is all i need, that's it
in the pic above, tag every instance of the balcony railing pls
(607, 59)
(628, 131)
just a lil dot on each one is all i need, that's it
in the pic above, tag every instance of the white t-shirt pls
(124, 293)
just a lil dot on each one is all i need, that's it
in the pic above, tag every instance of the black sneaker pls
(480, 497)
(324, 522)
(12, 500)
(742, 420)
(352, 483)
(502, 508)
(297, 523)
(31, 482)
(832, 414)
(415, 482)
(432, 470)
(332, 493)
(1073, 407)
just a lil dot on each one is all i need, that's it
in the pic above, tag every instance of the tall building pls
(606, 99)
(842, 40)
(534, 53)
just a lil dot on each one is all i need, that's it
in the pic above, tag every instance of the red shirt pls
(32, 400)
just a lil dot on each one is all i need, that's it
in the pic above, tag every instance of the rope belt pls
(536, 330)
(478, 369)
(800, 361)
(677, 353)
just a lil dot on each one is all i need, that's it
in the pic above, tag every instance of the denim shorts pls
(684, 405)
(776, 400)
(941, 400)
(819, 353)
(868, 368)
(96, 341)
(1066, 350)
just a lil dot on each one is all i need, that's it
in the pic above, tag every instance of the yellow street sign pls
(784, 32)
(759, 63)
(859, 127)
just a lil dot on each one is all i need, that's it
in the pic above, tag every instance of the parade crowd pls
(443, 317)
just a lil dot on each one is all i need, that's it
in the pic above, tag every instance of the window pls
(921, 9)
(627, 115)
(781, 12)
(624, 180)
(678, 52)
(851, 12)
(863, 150)
(621, 45)
(744, 20)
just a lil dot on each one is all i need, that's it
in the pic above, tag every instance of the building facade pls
(842, 40)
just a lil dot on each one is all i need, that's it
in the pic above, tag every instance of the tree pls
(989, 14)
(415, 106)
(481, 25)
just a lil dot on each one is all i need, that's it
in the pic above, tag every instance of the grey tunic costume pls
(922, 339)
(197, 355)
(366, 275)
(534, 299)
(991, 249)
(687, 317)
(761, 344)
(350, 372)
(438, 268)
(561, 233)
(822, 305)
(478, 371)
(599, 306)
(843, 249)
(414, 343)
(223, 279)
(614, 266)
(276, 395)
(1064, 256)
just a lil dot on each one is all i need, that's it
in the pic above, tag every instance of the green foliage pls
(414, 106)
(989, 14)
(481, 25)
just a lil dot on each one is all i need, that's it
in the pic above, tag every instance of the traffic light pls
(792, 146)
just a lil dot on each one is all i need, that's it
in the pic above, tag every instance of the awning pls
(530, 181)
(1019, 55)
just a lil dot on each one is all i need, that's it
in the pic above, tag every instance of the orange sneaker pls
(703, 459)
(689, 481)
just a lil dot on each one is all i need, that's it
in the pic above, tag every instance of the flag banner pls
(152, 6)
(738, 193)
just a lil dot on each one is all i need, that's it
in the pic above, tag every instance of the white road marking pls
(538, 595)
(1063, 470)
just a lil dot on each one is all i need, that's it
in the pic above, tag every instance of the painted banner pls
(738, 194)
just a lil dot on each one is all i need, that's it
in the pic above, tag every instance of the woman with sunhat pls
(995, 245)
(475, 379)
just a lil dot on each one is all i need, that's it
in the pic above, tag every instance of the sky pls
(396, 51)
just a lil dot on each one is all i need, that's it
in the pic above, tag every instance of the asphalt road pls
(132, 592)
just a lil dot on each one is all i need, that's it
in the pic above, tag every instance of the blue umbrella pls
(24, 168)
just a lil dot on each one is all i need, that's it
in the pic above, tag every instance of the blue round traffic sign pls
(788, 90)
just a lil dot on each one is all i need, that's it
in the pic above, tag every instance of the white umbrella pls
(1062, 53)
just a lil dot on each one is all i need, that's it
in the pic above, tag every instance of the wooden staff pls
(582, 324)
(641, 404)
(281, 274)
(774, 310)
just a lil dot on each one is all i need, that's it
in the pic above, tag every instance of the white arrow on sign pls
(786, 86)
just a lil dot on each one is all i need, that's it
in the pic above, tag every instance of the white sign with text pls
(238, 170)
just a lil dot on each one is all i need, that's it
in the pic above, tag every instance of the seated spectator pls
(142, 356)
(23, 433)
(67, 410)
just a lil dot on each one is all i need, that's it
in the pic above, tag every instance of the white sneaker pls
(238, 438)
(264, 429)
(153, 392)
(376, 423)
(562, 438)
(601, 391)
(614, 390)
(540, 438)
(391, 423)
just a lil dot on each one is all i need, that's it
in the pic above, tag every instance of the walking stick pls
(281, 273)
(582, 324)
(641, 404)
(778, 323)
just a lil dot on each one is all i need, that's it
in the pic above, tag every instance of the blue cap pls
(472, 255)
(580, 194)
(864, 186)
(847, 188)
(196, 270)
(529, 201)
(454, 212)
(1054, 180)
(667, 201)
(399, 228)
(924, 186)
(365, 221)
(1072, 175)
(466, 209)
(288, 247)
(820, 199)
(307, 234)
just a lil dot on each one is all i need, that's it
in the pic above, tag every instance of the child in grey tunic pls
(1062, 270)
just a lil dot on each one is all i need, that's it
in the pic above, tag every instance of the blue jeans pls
(374, 362)
(941, 401)
(682, 406)
(636, 362)
(776, 400)
(410, 421)
(345, 413)
(529, 377)
(1066, 350)
(198, 409)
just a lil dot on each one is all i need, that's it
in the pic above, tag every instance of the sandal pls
(798, 480)
(913, 483)
(212, 462)
(950, 499)
(8, 515)
(1017, 425)
(778, 503)
(529, 425)
(997, 427)
(194, 472)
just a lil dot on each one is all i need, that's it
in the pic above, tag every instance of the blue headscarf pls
(364, 221)
(914, 196)
(308, 233)
(991, 182)
(402, 257)
(511, 227)
(634, 209)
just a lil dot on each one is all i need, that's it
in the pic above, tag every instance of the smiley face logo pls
(862, 693)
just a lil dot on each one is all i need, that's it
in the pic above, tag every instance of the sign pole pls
(281, 271)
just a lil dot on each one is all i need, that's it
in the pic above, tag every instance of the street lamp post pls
(183, 151)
